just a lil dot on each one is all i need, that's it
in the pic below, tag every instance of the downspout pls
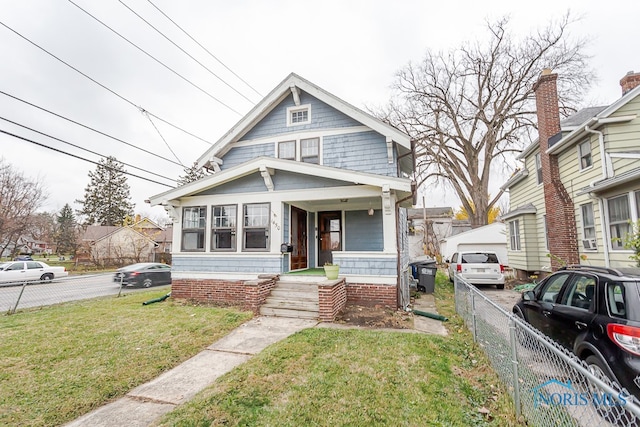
(605, 175)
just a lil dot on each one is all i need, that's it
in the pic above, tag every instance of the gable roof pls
(281, 92)
(262, 164)
(594, 122)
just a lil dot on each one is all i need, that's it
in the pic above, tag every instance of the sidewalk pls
(148, 402)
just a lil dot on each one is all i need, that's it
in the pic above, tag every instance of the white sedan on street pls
(29, 271)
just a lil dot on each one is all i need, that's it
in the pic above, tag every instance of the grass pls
(63, 361)
(329, 377)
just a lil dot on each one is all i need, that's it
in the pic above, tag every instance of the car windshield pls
(479, 258)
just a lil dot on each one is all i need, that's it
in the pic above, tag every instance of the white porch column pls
(389, 221)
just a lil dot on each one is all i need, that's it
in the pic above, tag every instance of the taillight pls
(626, 337)
(458, 268)
(501, 268)
(133, 274)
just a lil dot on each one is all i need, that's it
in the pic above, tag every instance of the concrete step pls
(285, 312)
(292, 304)
(297, 285)
(294, 295)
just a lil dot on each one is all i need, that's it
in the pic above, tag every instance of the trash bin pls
(424, 270)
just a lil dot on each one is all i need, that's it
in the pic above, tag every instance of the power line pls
(90, 128)
(186, 53)
(78, 157)
(77, 146)
(162, 137)
(155, 59)
(100, 84)
(205, 49)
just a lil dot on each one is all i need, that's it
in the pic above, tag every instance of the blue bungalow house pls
(303, 180)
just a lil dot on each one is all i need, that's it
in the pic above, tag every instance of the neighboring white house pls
(492, 237)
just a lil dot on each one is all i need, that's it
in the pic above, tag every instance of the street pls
(70, 288)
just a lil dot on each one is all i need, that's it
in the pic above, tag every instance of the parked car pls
(29, 271)
(477, 268)
(23, 258)
(593, 312)
(144, 274)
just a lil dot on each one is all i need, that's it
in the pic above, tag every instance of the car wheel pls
(147, 283)
(46, 278)
(522, 336)
(613, 414)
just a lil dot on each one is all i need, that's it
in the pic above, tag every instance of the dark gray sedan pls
(144, 274)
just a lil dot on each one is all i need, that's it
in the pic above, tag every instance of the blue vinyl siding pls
(286, 234)
(362, 152)
(323, 116)
(253, 183)
(239, 155)
(213, 264)
(363, 232)
(369, 266)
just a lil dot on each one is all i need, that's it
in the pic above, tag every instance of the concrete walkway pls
(148, 402)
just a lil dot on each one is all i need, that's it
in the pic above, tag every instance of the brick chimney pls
(561, 223)
(630, 81)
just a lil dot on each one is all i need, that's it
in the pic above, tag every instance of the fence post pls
(473, 314)
(15, 307)
(514, 365)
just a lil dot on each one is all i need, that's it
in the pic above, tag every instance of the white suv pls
(477, 268)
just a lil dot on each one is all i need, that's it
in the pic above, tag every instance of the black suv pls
(595, 313)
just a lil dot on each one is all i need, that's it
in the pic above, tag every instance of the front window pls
(539, 168)
(619, 217)
(584, 153)
(514, 234)
(287, 150)
(256, 227)
(223, 228)
(310, 150)
(194, 222)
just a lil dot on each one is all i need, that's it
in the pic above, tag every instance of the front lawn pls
(336, 377)
(58, 363)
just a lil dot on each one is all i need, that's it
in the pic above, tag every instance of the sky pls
(351, 48)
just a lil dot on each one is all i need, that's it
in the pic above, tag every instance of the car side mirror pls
(528, 295)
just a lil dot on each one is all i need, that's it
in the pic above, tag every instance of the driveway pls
(505, 298)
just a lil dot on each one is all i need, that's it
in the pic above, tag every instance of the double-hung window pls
(619, 220)
(287, 150)
(256, 227)
(194, 223)
(588, 223)
(539, 168)
(514, 234)
(584, 154)
(223, 227)
(310, 150)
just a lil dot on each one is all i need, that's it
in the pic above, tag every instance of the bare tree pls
(20, 197)
(475, 105)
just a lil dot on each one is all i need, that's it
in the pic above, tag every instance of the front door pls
(299, 238)
(329, 235)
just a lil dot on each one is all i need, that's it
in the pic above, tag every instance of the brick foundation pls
(372, 295)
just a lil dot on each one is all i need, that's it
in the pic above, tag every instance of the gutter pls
(593, 122)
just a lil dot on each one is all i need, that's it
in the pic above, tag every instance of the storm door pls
(298, 238)
(329, 235)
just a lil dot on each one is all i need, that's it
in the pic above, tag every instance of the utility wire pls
(100, 84)
(205, 49)
(77, 146)
(78, 157)
(144, 113)
(90, 128)
(155, 59)
(187, 53)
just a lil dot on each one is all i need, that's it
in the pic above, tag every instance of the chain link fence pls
(549, 385)
(32, 294)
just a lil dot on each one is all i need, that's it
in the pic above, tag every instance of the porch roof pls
(266, 166)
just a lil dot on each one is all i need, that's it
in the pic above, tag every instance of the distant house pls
(302, 180)
(143, 241)
(491, 237)
(578, 190)
(427, 227)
